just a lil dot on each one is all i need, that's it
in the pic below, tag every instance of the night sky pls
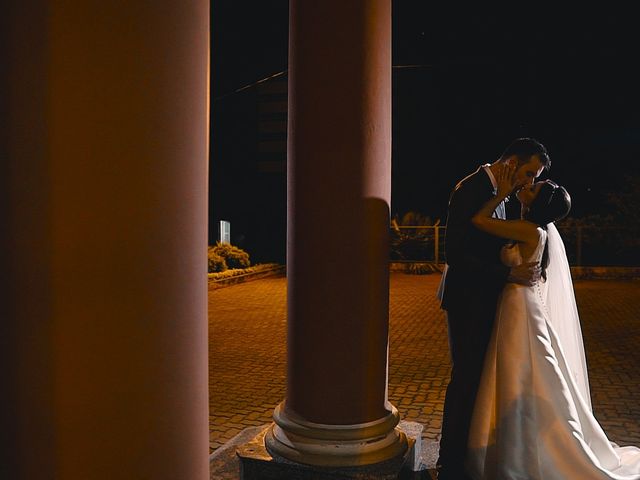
(466, 83)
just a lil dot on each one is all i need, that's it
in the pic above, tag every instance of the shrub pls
(215, 262)
(412, 244)
(233, 256)
(421, 268)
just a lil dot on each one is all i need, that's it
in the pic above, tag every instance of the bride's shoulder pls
(542, 233)
(542, 236)
(532, 232)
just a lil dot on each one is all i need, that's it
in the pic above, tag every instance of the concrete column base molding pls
(310, 443)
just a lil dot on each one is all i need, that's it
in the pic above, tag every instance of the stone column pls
(104, 232)
(336, 411)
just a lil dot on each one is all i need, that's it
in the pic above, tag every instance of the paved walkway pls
(247, 338)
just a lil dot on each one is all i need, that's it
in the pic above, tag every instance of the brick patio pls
(247, 342)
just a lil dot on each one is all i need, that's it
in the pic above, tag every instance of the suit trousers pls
(470, 326)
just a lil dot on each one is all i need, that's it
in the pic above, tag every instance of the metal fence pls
(585, 245)
(418, 243)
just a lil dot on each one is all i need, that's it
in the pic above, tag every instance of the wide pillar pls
(104, 230)
(336, 411)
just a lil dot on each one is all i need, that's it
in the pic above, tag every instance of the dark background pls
(465, 83)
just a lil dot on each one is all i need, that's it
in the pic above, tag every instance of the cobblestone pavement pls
(247, 342)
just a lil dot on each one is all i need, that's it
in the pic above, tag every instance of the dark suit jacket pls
(475, 275)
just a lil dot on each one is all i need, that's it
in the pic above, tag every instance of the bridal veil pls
(561, 305)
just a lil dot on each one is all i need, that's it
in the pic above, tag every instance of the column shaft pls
(339, 177)
(106, 202)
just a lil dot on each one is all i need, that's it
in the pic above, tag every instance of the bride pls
(533, 417)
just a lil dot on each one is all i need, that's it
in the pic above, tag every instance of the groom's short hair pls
(524, 149)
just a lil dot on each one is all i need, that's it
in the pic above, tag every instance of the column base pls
(257, 463)
(317, 444)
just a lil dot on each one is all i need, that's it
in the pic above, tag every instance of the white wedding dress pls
(533, 418)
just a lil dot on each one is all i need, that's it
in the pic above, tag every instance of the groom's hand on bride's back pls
(525, 274)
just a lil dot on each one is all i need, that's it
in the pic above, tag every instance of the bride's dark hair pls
(552, 203)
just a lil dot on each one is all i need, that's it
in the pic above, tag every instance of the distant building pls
(248, 181)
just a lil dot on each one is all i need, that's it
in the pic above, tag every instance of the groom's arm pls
(464, 204)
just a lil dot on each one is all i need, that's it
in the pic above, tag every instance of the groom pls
(470, 288)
